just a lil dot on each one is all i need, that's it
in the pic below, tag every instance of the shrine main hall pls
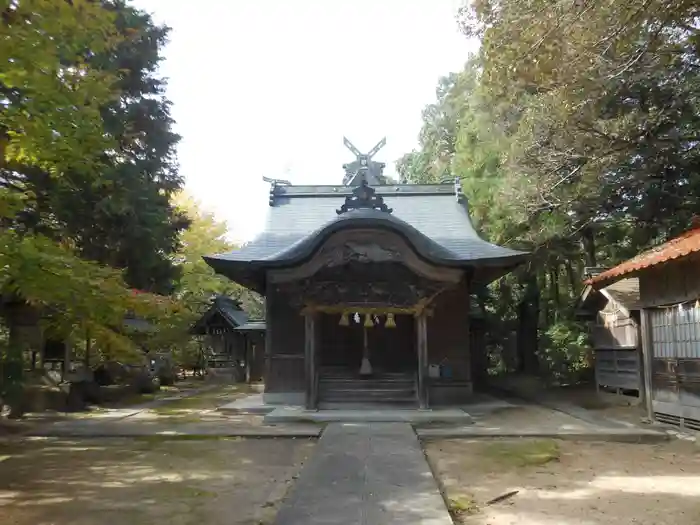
(367, 288)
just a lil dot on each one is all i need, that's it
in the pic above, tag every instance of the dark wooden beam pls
(422, 347)
(310, 360)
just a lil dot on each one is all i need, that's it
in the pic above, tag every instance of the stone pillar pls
(422, 346)
(310, 360)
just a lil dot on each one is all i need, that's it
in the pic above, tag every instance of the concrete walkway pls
(369, 474)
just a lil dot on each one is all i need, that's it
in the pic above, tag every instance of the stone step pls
(364, 385)
(375, 413)
(368, 404)
(373, 395)
(379, 389)
(355, 375)
(345, 387)
(346, 372)
(323, 377)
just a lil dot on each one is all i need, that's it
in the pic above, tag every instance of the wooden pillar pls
(422, 346)
(310, 359)
(646, 361)
(267, 353)
(247, 356)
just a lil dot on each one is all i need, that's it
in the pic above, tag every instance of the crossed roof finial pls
(363, 167)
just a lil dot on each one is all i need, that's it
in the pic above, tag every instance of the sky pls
(270, 87)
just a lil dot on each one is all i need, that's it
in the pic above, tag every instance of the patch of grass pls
(178, 418)
(206, 400)
(168, 410)
(197, 492)
(462, 506)
(523, 453)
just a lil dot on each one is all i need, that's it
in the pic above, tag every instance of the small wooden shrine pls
(234, 341)
(669, 303)
(612, 314)
(367, 289)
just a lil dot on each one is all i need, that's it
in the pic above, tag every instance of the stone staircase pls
(343, 388)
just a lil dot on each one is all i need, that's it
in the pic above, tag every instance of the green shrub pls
(563, 350)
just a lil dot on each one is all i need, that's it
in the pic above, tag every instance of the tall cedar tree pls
(120, 215)
(128, 220)
(574, 131)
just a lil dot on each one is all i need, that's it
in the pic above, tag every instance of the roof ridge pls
(337, 191)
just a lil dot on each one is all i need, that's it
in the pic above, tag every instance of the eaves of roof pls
(434, 219)
(677, 248)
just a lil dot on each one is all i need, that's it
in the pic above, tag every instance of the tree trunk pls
(17, 313)
(573, 281)
(541, 283)
(554, 291)
(88, 344)
(588, 247)
(528, 315)
(13, 372)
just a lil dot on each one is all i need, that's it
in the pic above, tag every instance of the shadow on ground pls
(145, 481)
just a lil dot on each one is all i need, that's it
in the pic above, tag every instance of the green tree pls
(120, 215)
(607, 104)
(51, 90)
(87, 177)
(198, 282)
(574, 133)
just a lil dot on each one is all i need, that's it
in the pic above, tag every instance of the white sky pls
(269, 88)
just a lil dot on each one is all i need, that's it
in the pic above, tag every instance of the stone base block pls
(284, 398)
(449, 393)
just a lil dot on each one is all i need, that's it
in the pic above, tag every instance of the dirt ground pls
(528, 417)
(624, 408)
(147, 481)
(206, 400)
(569, 483)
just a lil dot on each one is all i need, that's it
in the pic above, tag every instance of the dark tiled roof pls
(679, 247)
(251, 326)
(229, 309)
(431, 217)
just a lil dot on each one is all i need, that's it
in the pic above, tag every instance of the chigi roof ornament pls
(363, 165)
(363, 197)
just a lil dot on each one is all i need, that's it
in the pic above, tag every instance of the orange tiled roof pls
(680, 246)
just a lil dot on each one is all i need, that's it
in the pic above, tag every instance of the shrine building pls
(367, 289)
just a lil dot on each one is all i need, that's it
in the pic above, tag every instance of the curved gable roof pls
(432, 218)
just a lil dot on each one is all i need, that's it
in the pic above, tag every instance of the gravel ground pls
(569, 483)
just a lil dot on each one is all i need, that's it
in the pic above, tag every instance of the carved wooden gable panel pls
(366, 285)
(366, 246)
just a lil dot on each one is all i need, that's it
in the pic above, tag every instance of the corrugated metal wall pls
(675, 343)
